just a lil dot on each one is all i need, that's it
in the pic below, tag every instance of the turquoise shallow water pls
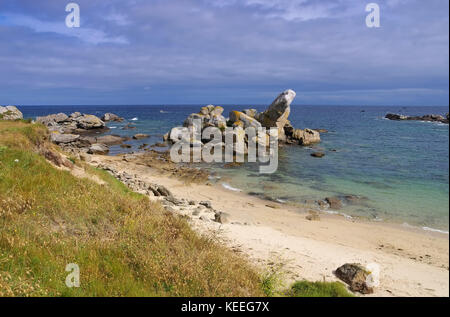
(401, 168)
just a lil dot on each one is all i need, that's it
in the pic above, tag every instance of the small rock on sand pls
(207, 204)
(355, 275)
(313, 216)
(100, 149)
(222, 217)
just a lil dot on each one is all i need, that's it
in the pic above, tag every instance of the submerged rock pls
(110, 139)
(140, 136)
(334, 202)
(318, 154)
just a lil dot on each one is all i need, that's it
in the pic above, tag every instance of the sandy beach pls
(278, 237)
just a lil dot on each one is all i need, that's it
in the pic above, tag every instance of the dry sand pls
(412, 262)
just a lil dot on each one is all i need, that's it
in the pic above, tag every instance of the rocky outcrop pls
(89, 122)
(303, 137)
(428, 117)
(278, 112)
(107, 117)
(55, 157)
(53, 119)
(209, 116)
(76, 123)
(77, 132)
(59, 138)
(276, 116)
(238, 118)
(10, 113)
(356, 276)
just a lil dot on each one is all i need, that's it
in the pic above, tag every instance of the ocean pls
(400, 169)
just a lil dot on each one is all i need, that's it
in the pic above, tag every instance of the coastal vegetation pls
(318, 289)
(124, 244)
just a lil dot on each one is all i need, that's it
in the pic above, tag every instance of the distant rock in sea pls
(107, 117)
(428, 117)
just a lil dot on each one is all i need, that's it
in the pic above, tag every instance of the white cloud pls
(88, 35)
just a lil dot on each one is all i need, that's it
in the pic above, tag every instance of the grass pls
(124, 244)
(318, 289)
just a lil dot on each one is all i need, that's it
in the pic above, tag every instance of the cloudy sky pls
(224, 52)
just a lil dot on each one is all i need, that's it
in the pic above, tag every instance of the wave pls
(434, 230)
(229, 187)
(134, 119)
(425, 228)
(333, 212)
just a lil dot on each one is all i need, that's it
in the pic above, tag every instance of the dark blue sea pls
(401, 168)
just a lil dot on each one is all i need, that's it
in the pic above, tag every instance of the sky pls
(224, 52)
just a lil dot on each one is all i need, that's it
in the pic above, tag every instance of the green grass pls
(318, 289)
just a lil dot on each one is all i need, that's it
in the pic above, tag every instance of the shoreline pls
(339, 214)
(278, 237)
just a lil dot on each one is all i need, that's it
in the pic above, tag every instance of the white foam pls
(434, 230)
(229, 187)
(135, 119)
(333, 212)
(282, 201)
(425, 228)
(113, 127)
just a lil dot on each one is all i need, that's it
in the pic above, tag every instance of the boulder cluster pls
(276, 116)
(79, 132)
(10, 113)
(428, 118)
